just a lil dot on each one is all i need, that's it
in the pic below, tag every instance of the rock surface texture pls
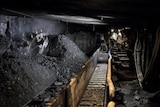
(23, 77)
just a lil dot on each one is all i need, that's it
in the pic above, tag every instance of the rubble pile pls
(23, 77)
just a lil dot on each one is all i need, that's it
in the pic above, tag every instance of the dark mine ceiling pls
(112, 12)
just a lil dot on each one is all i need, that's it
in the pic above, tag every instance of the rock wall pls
(17, 26)
(87, 42)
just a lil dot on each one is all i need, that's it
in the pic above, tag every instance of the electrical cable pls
(154, 53)
(151, 77)
(137, 51)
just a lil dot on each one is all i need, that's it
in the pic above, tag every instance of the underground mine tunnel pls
(83, 53)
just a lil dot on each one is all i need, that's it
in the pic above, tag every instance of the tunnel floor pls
(128, 92)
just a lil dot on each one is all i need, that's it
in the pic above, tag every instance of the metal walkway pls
(94, 94)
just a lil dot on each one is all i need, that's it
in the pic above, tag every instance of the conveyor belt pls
(86, 89)
(94, 94)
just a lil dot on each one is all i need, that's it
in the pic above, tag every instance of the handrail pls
(111, 104)
(110, 84)
(109, 80)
